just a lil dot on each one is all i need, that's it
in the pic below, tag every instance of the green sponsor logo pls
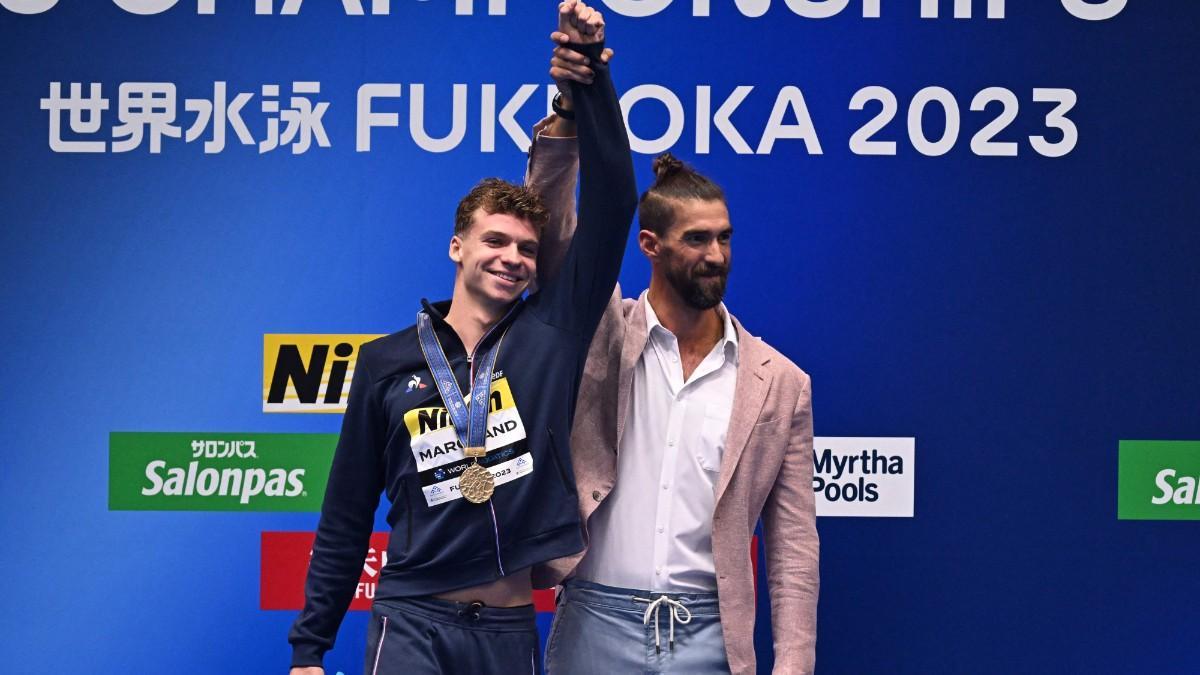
(218, 472)
(1157, 480)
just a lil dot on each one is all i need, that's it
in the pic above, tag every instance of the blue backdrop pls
(1018, 315)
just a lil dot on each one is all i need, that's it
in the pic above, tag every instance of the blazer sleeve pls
(792, 547)
(552, 173)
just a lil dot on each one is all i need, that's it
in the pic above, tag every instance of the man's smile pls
(511, 278)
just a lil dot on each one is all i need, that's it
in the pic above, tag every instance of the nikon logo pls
(308, 373)
(218, 472)
(1157, 480)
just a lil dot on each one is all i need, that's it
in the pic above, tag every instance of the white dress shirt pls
(654, 531)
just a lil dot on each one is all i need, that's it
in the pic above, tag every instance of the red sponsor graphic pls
(543, 601)
(284, 565)
(754, 564)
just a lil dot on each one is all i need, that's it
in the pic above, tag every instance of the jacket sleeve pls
(552, 173)
(577, 295)
(347, 517)
(792, 547)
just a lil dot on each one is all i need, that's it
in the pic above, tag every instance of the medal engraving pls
(476, 484)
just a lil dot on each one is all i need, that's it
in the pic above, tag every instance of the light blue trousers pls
(600, 630)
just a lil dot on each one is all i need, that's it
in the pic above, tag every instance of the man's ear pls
(456, 249)
(649, 243)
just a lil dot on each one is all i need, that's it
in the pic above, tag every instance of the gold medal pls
(476, 484)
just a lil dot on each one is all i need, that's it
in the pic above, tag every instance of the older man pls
(688, 430)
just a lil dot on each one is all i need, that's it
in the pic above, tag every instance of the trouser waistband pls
(634, 600)
(465, 613)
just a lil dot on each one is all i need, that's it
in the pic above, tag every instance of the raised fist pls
(580, 23)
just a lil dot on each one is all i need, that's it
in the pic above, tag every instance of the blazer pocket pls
(773, 426)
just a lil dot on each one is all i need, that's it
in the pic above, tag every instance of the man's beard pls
(701, 287)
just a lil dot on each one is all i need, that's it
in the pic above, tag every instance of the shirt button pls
(660, 528)
(596, 495)
(671, 442)
(658, 570)
(666, 486)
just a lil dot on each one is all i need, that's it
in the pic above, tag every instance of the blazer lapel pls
(631, 350)
(749, 395)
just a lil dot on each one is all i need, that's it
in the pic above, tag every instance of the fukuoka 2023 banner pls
(972, 222)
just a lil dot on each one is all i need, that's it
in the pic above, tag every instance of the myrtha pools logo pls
(218, 472)
(866, 477)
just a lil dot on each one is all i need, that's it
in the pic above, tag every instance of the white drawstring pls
(674, 616)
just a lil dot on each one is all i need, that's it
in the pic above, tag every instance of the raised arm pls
(553, 166)
(576, 294)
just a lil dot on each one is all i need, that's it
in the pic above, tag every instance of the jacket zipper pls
(379, 647)
(491, 505)
(408, 513)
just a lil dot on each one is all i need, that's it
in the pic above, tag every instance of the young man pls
(476, 463)
(688, 430)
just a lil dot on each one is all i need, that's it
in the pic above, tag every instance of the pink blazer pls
(766, 469)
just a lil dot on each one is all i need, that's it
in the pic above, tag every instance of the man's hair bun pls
(666, 165)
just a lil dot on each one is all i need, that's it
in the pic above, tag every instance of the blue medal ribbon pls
(471, 424)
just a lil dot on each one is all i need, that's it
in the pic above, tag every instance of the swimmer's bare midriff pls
(513, 590)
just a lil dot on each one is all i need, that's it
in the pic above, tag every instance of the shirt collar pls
(437, 312)
(728, 341)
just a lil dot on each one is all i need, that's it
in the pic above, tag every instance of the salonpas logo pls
(1157, 480)
(218, 472)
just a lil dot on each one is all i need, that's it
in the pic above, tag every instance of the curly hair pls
(495, 195)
